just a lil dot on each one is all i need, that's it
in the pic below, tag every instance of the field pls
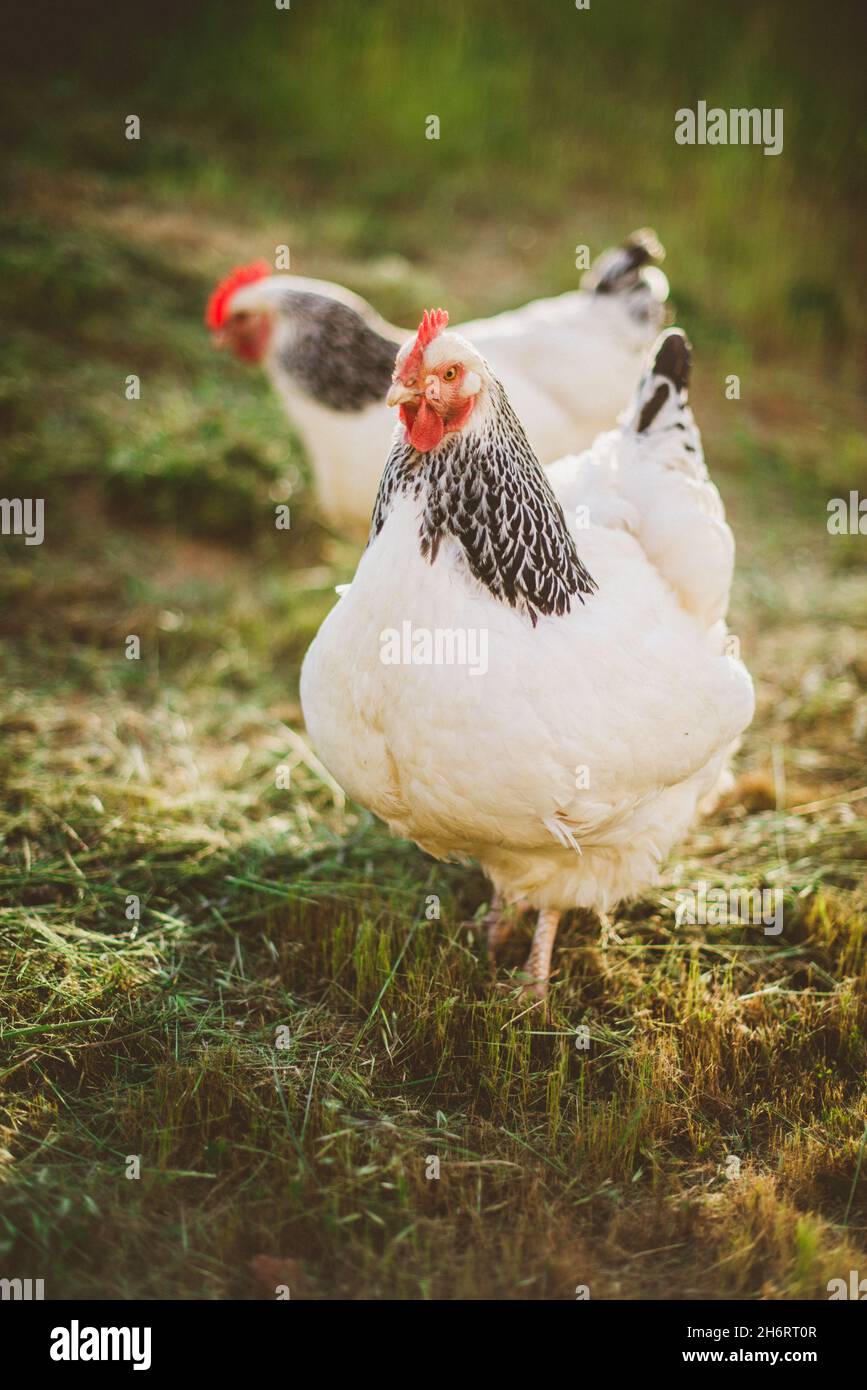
(283, 1037)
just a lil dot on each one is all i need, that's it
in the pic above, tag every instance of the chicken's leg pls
(497, 925)
(499, 922)
(538, 965)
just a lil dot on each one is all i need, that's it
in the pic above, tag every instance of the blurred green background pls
(306, 127)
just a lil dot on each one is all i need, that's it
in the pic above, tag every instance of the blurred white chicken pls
(571, 752)
(569, 364)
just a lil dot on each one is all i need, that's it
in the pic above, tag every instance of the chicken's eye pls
(450, 373)
(410, 381)
(241, 316)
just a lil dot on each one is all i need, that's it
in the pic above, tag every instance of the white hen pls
(569, 364)
(571, 753)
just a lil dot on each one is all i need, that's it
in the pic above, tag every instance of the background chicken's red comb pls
(215, 313)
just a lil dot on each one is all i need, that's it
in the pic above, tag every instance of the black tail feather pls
(669, 368)
(618, 269)
(674, 358)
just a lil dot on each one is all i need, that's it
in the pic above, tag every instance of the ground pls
(286, 1037)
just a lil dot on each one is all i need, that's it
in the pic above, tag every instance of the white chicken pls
(570, 751)
(569, 364)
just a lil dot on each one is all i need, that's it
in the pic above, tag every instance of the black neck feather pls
(487, 491)
(334, 355)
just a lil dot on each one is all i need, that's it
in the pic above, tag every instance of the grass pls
(282, 915)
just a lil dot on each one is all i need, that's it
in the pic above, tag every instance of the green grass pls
(264, 908)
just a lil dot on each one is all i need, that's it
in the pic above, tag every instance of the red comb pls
(215, 314)
(433, 323)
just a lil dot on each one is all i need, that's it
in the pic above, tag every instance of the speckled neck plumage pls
(334, 356)
(485, 489)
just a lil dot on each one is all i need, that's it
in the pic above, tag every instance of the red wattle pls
(427, 429)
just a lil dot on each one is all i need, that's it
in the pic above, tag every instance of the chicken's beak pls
(398, 394)
(219, 338)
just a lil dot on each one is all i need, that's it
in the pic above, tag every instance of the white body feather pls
(631, 693)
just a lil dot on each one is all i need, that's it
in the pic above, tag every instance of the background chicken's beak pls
(398, 394)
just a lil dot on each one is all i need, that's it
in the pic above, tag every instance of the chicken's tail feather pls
(682, 527)
(631, 271)
(661, 398)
